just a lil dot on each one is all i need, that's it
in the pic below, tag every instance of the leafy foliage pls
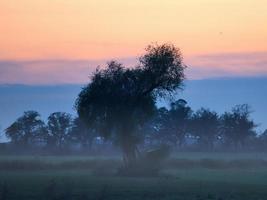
(205, 126)
(119, 100)
(237, 126)
(81, 133)
(59, 127)
(26, 129)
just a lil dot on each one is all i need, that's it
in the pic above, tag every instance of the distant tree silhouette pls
(156, 130)
(179, 120)
(27, 129)
(237, 126)
(82, 134)
(262, 141)
(59, 126)
(119, 100)
(205, 127)
(170, 126)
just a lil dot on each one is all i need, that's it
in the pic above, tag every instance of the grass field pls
(186, 176)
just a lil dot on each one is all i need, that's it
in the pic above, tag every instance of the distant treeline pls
(179, 127)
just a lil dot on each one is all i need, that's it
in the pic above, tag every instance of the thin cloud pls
(50, 71)
(78, 71)
(228, 65)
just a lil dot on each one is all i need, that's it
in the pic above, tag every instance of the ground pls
(187, 176)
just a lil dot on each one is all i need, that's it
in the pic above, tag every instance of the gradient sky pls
(42, 37)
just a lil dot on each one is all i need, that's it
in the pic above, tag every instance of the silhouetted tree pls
(170, 126)
(119, 100)
(262, 141)
(156, 130)
(27, 129)
(178, 123)
(59, 127)
(205, 127)
(82, 134)
(237, 126)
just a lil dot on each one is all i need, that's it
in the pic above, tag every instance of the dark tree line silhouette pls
(178, 127)
(119, 106)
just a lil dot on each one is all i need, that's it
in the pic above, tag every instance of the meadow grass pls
(85, 178)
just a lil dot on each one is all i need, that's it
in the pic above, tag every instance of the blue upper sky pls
(217, 94)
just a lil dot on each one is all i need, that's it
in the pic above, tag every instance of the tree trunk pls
(129, 154)
(128, 142)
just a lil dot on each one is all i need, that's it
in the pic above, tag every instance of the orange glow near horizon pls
(97, 29)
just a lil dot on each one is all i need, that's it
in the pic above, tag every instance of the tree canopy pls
(205, 126)
(119, 100)
(26, 129)
(237, 126)
(59, 127)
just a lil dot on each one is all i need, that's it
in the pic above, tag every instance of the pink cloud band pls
(78, 71)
